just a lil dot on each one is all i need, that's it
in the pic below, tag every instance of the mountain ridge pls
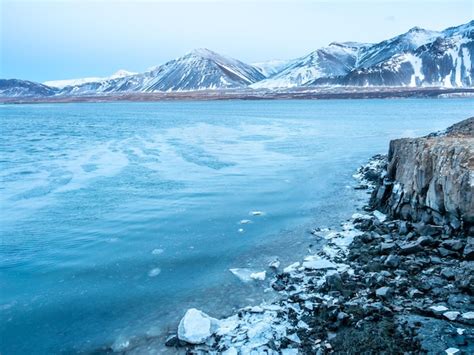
(416, 58)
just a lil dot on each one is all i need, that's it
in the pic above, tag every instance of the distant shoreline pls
(324, 93)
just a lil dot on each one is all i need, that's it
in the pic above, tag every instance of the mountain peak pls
(204, 53)
(417, 29)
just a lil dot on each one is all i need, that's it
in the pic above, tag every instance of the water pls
(116, 217)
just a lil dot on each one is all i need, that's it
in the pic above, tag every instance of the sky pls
(64, 39)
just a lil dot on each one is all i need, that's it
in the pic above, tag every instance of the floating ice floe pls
(245, 221)
(452, 351)
(240, 230)
(256, 213)
(157, 251)
(196, 327)
(154, 272)
(246, 275)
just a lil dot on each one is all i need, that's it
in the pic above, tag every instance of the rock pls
(195, 327)
(445, 252)
(448, 273)
(385, 248)
(380, 216)
(415, 293)
(334, 282)
(410, 247)
(402, 227)
(468, 253)
(439, 309)
(384, 292)
(468, 315)
(172, 341)
(431, 173)
(453, 244)
(392, 261)
(451, 315)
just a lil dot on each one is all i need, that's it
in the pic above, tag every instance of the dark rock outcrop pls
(431, 179)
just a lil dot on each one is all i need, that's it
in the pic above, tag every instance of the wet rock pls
(468, 253)
(392, 261)
(448, 273)
(172, 341)
(453, 244)
(384, 293)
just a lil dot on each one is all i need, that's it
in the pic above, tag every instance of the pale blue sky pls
(62, 39)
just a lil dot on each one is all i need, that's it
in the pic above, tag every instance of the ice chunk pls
(258, 275)
(256, 213)
(154, 272)
(157, 251)
(196, 327)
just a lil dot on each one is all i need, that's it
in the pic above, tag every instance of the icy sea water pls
(116, 217)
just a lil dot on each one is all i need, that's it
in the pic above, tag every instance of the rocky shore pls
(397, 278)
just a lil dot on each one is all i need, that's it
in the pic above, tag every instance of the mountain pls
(444, 60)
(415, 58)
(384, 50)
(270, 67)
(75, 82)
(200, 69)
(335, 60)
(24, 88)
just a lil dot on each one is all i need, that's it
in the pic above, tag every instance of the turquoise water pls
(116, 217)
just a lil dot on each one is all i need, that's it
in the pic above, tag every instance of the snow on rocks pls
(380, 216)
(314, 262)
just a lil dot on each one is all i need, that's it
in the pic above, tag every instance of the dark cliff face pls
(431, 179)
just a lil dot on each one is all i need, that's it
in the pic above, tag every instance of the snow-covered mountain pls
(200, 69)
(443, 60)
(416, 58)
(270, 67)
(24, 88)
(75, 82)
(335, 60)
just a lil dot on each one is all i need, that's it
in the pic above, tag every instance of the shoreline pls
(324, 93)
(380, 283)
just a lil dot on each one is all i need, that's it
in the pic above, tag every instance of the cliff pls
(431, 179)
